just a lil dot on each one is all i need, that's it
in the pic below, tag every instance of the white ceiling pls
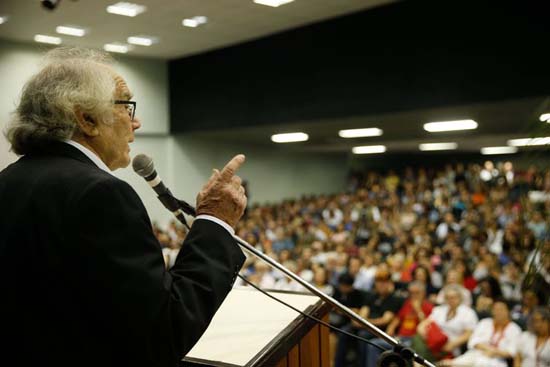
(230, 22)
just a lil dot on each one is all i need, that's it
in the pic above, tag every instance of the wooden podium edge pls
(288, 337)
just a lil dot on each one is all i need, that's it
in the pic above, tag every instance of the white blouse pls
(465, 319)
(530, 356)
(484, 333)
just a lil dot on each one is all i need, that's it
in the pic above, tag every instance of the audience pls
(480, 232)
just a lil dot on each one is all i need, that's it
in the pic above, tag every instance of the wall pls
(272, 176)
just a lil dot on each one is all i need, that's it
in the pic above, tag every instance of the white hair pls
(70, 79)
(454, 288)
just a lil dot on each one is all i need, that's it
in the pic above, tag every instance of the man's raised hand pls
(223, 196)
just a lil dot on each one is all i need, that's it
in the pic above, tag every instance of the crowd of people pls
(454, 262)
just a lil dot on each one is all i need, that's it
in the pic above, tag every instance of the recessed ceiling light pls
(3, 19)
(142, 40)
(529, 141)
(195, 21)
(369, 149)
(70, 30)
(289, 137)
(190, 23)
(437, 146)
(201, 19)
(498, 150)
(126, 9)
(545, 117)
(360, 133)
(450, 125)
(273, 3)
(47, 39)
(116, 47)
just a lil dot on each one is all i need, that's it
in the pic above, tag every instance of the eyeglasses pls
(130, 107)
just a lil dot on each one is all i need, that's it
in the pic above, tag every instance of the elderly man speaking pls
(82, 276)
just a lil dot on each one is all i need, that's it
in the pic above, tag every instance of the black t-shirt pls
(378, 305)
(354, 299)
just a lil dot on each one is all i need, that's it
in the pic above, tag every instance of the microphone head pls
(143, 165)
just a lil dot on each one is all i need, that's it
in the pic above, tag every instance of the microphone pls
(143, 166)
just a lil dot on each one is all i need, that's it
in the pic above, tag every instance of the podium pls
(252, 330)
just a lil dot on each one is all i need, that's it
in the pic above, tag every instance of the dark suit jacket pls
(82, 277)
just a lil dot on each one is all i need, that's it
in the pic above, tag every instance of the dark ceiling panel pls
(399, 57)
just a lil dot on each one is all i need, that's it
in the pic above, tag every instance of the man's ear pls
(86, 123)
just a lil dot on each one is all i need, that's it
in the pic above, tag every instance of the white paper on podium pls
(245, 323)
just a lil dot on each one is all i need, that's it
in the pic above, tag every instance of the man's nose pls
(136, 124)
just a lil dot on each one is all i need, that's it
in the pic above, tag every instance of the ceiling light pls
(529, 141)
(201, 19)
(437, 146)
(126, 9)
(47, 39)
(273, 3)
(3, 19)
(70, 30)
(142, 40)
(545, 117)
(450, 125)
(360, 133)
(369, 149)
(190, 23)
(498, 150)
(116, 47)
(195, 21)
(289, 137)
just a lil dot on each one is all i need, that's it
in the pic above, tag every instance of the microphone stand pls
(400, 356)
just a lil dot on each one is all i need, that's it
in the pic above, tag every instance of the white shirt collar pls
(93, 157)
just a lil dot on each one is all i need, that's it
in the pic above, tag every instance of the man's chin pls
(126, 162)
(123, 163)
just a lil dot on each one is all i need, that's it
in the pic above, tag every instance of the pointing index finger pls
(231, 167)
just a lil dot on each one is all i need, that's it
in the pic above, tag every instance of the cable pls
(312, 317)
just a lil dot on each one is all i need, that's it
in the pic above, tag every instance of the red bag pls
(435, 338)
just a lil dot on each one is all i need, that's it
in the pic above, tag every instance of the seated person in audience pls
(287, 284)
(522, 313)
(456, 320)
(493, 341)
(380, 308)
(348, 296)
(365, 277)
(415, 310)
(511, 281)
(534, 345)
(320, 280)
(454, 277)
(422, 274)
(486, 292)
